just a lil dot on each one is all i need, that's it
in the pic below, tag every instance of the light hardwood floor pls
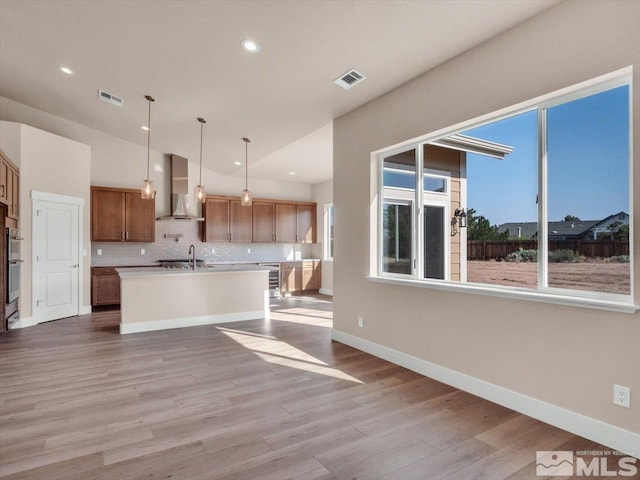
(258, 400)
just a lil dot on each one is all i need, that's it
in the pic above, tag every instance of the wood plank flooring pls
(268, 400)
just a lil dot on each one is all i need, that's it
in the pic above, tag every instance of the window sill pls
(506, 292)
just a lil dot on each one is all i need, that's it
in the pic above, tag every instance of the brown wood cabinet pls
(290, 277)
(215, 228)
(299, 276)
(105, 286)
(240, 222)
(286, 223)
(311, 275)
(266, 221)
(264, 218)
(226, 220)
(9, 189)
(121, 215)
(305, 223)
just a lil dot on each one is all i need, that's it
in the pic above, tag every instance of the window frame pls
(328, 238)
(542, 292)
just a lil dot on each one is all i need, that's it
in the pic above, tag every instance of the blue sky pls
(588, 162)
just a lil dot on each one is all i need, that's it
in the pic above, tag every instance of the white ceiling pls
(187, 55)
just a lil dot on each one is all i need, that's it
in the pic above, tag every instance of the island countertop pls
(151, 270)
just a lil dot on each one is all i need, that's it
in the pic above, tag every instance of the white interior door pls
(56, 267)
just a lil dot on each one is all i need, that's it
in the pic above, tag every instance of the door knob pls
(75, 266)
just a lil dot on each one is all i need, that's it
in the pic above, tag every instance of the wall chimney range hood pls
(181, 204)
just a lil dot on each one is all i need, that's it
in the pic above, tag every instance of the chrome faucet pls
(192, 252)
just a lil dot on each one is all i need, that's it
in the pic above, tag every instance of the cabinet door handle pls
(122, 235)
(126, 235)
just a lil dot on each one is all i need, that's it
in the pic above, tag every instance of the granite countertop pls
(208, 263)
(151, 270)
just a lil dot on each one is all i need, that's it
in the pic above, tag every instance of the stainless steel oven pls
(13, 264)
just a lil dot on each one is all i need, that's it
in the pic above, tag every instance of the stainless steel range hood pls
(181, 204)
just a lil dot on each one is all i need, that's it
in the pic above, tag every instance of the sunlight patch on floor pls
(277, 352)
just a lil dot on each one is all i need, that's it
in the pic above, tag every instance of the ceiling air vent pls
(349, 79)
(112, 99)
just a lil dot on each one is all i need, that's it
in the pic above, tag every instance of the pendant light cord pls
(202, 121)
(149, 99)
(246, 163)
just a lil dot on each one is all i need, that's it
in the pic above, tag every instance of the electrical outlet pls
(143, 251)
(213, 251)
(360, 322)
(248, 250)
(99, 251)
(622, 396)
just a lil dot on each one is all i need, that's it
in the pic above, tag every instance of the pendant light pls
(245, 198)
(199, 193)
(148, 192)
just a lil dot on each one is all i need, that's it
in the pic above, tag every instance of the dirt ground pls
(591, 276)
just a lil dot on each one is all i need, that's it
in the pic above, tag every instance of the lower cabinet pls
(311, 275)
(105, 286)
(299, 276)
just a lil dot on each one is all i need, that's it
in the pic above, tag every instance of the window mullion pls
(419, 230)
(543, 239)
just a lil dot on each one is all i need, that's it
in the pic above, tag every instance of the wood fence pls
(498, 249)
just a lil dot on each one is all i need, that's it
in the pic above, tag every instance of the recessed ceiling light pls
(145, 128)
(250, 46)
(66, 70)
(237, 163)
(292, 173)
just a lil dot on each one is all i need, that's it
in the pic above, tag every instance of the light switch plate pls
(99, 251)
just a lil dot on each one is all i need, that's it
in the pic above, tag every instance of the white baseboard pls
(84, 310)
(614, 437)
(151, 326)
(326, 291)
(24, 322)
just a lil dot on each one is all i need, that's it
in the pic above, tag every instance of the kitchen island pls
(154, 298)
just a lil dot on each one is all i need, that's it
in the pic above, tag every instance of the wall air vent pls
(349, 79)
(112, 99)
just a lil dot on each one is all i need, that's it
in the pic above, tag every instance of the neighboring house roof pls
(526, 229)
(564, 229)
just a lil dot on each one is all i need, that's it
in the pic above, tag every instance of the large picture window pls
(538, 199)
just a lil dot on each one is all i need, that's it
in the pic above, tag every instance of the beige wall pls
(567, 356)
(322, 194)
(52, 164)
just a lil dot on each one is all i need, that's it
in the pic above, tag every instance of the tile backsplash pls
(187, 233)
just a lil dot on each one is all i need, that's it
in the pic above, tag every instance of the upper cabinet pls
(286, 223)
(266, 221)
(9, 185)
(225, 220)
(306, 223)
(121, 215)
(215, 228)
